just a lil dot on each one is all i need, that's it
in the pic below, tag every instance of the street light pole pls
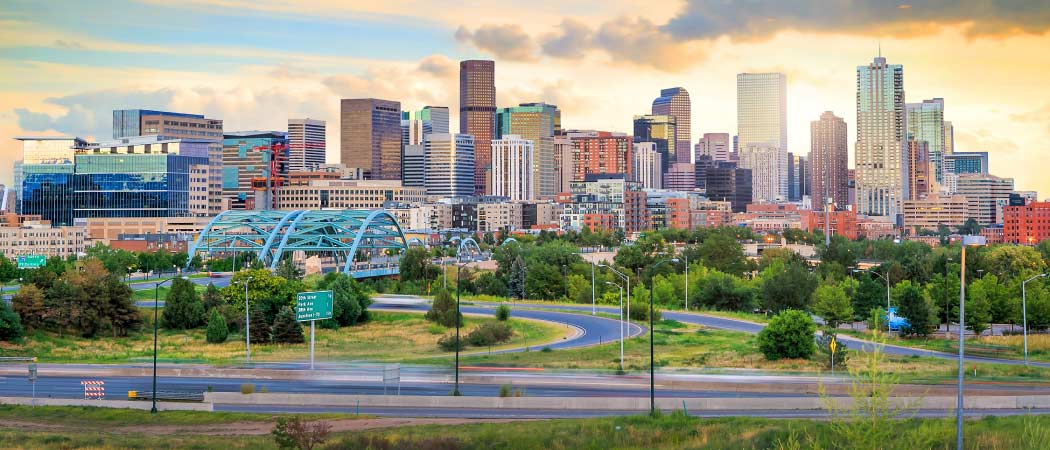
(247, 325)
(947, 303)
(594, 306)
(686, 280)
(652, 347)
(887, 290)
(966, 242)
(1024, 314)
(156, 307)
(627, 280)
(621, 322)
(459, 271)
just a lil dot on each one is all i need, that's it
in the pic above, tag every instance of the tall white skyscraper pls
(449, 164)
(881, 148)
(648, 164)
(761, 118)
(512, 172)
(766, 164)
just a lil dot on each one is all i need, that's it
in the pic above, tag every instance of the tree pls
(217, 331)
(443, 310)
(258, 328)
(913, 305)
(789, 335)
(502, 313)
(1009, 261)
(350, 301)
(29, 303)
(212, 297)
(8, 270)
(726, 292)
(721, 251)
(288, 270)
(869, 295)
(294, 433)
(286, 330)
(787, 286)
(415, 265)
(664, 292)
(831, 304)
(516, 279)
(489, 284)
(10, 324)
(640, 304)
(970, 227)
(1001, 305)
(183, 308)
(266, 291)
(978, 313)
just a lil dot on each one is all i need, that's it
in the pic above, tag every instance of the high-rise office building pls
(718, 146)
(413, 165)
(47, 177)
(145, 176)
(449, 164)
(477, 113)
(306, 144)
(600, 152)
(535, 122)
(661, 130)
(563, 161)
(436, 115)
(966, 162)
(647, 165)
(798, 177)
(881, 146)
(674, 102)
(829, 160)
(680, 176)
(174, 125)
(919, 168)
(925, 123)
(766, 165)
(987, 194)
(370, 137)
(949, 137)
(254, 165)
(761, 110)
(512, 173)
(728, 183)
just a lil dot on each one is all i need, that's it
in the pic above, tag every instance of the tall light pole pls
(247, 324)
(626, 280)
(967, 241)
(686, 280)
(156, 307)
(947, 303)
(459, 271)
(594, 305)
(621, 321)
(652, 347)
(887, 289)
(1024, 314)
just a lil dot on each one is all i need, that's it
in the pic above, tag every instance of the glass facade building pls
(46, 177)
(675, 102)
(660, 130)
(536, 122)
(881, 148)
(254, 165)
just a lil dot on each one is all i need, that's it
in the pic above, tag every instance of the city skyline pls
(66, 80)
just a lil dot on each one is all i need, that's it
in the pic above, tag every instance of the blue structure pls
(365, 243)
(893, 321)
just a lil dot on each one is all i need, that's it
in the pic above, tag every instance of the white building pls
(881, 148)
(761, 111)
(512, 168)
(306, 144)
(647, 165)
(719, 146)
(448, 162)
(766, 165)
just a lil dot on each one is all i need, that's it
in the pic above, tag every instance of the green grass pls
(667, 431)
(389, 336)
(148, 293)
(95, 417)
(1010, 347)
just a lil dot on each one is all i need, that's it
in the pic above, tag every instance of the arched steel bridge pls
(365, 243)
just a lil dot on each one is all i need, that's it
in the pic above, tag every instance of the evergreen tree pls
(443, 310)
(182, 306)
(516, 279)
(212, 297)
(217, 331)
(912, 305)
(10, 324)
(286, 330)
(288, 270)
(259, 329)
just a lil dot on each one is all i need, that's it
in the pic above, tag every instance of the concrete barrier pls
(613, 403)
(127, 404)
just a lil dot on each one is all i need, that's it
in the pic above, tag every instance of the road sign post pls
(31, 261)
(311, 307)
(32, 379)
(832, 345)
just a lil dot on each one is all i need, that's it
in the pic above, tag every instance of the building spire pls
(880, 47)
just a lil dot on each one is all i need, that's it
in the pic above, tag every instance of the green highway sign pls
(313, 306)
(31, 261)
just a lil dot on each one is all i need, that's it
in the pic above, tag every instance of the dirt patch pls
(32, 426)
(264, 427)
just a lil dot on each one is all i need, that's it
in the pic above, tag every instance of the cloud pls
(758, 19)
(438, 66)
(570, 41)
(982, 140)
(508, 42)
(90, 113)
(1038, 116)
(641, 42)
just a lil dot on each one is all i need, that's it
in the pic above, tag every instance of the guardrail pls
(167, 396)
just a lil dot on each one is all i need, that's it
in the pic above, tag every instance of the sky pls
(65, 65)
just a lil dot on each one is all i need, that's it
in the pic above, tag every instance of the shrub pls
(286, 330)
(502, 313)
(10, 324)
(448, 343)
(217, 331)
(247, 388)
(489, 333)
(258, 329)
(788, 335)
(183, 308)
(443, 310)
(824, 351)
(294, 433)
(505, 391)
(385, 443)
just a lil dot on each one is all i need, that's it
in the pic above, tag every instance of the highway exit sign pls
(313, 306)
(31, 261)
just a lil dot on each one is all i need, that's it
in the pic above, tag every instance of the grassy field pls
(987, 346)
(389, 336)
(23, 428)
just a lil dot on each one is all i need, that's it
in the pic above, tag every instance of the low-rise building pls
(1028, 224)
(493, 217)
(843, 223)
(935, 210)
(611, 194)
(20, 237)
(107, 230)
(347, 194)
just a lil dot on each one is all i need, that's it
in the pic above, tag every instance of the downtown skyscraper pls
(370, 137)
(306, 144)
(761, 110)
(477, 114)
(829, 160)
(674, 102)
(926, 124)
(881, 165)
